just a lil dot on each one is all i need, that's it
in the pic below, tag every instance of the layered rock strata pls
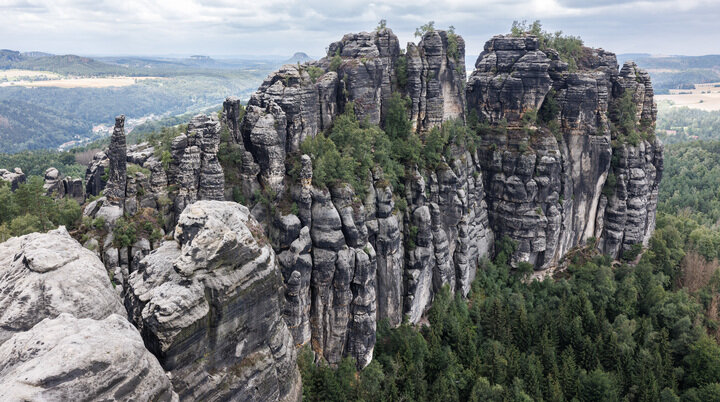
(542, 181)
(208, 305)
(117, 179)
(545, 189)
(154, 192)
(345, 260)
(58, 186)
(63, 331)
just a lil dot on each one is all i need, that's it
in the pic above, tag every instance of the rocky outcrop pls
(549, 169)
(45, 275)
(69, 358)
(546, 188)
(436, 79)
(246, 174)
(362, 68)
(354, 269)
(630, 206)
(117, 155)
(14, 178)
(538, 175)
(209, 307)
(154, 192)
(195, 168)
(53, 183)
(57, 186)
(233, 111)
(63, 331)
(95, 178)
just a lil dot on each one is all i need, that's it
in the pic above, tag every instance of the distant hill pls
(9, 57)
(66, 64)
(623, 57)
(167, 66)
(677, 72)
(37, 54)
(298, 57)
(710, 61)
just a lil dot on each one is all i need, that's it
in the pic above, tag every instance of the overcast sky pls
(282, 27)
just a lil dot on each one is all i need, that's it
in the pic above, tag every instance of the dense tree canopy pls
(601, 333)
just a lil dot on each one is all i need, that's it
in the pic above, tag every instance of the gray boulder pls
(45, 274)
(14, 178)
(69, 358)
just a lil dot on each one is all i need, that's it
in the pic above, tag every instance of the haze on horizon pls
(225, 28)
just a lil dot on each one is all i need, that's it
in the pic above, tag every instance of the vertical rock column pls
(231, 115)
(115, 189)
(195, 169)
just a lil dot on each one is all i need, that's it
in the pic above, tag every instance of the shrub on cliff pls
(570, 48)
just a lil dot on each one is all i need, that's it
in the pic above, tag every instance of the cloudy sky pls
(281, 27)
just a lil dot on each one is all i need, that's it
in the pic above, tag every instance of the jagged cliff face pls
(207, 301)
(546, 189)
(348, 262)
(345, 260)
(290, 106)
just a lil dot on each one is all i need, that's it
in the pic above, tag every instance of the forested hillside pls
(602, 332)
(680, 124)
(679, 72)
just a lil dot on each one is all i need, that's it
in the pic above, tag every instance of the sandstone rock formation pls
(68, 358)
(549, 168)
(63, 331)
(345, 260)
(195, 167)
(348, 262)
(44, 275)
(209, 307)
(57, 186)
(117, 154)
(545, 190)
(95, 179)
(144, 190)
(14, 178)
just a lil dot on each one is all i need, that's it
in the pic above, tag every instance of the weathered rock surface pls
(348, 262)
(14, 178)
(154, 192)
(57, 186)
(195, 168)
(208, 305)
(436, 79)
(545, 189)
(117, 154)
(95, 179)
(63, 331)
(44, 275)
(69, 358)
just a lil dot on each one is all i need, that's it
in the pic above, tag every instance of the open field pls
(703, 97)
(100, 82)
(16, 74)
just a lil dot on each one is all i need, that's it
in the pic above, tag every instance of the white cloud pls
(230, 27)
